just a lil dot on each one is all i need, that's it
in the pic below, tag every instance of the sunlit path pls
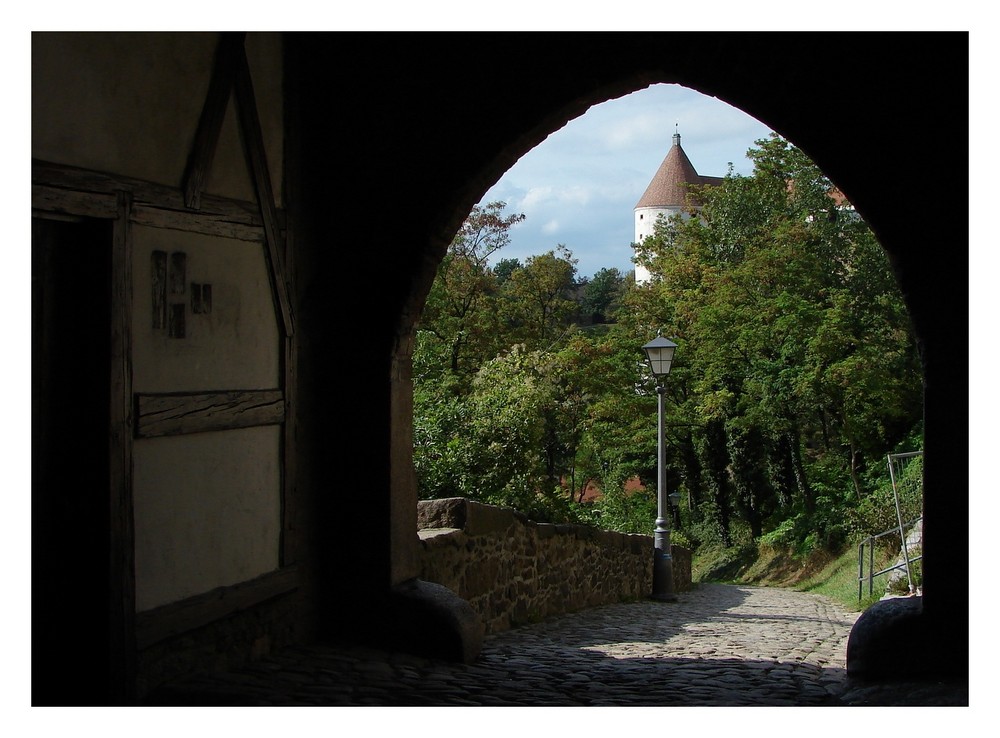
(717, 645)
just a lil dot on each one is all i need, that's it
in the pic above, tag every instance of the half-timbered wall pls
(130, 103)
(117, 122)
(201, 497)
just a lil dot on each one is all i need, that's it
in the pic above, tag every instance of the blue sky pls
(579, 186)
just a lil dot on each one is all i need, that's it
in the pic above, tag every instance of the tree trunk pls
(801, 480)
(692, 471)
(717, 463)
(855, 454)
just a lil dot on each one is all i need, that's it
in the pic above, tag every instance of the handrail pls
(870, 542)
(899, 514)
(901, 530)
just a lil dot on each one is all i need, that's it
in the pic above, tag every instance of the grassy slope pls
(832, 575)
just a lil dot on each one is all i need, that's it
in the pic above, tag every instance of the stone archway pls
(396, 140)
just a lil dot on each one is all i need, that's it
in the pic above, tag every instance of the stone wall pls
(514, 571)
(231, 642)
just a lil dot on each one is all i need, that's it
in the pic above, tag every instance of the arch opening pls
(764, 512)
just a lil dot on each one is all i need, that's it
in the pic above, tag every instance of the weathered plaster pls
(207, 512)
(236, 346)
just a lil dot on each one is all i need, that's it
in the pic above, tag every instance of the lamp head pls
(660, 355)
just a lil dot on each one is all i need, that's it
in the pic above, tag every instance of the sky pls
(578, 187)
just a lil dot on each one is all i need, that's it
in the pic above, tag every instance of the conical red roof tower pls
(668, 194)
(669, 187)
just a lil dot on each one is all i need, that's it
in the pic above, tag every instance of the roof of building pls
(669, 186)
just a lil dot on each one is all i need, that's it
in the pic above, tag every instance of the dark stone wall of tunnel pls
(400, 135)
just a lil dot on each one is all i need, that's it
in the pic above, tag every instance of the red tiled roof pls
(669, 186)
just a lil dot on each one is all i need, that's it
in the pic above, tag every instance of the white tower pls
(667, 194)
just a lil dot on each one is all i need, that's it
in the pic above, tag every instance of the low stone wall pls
(514, 571)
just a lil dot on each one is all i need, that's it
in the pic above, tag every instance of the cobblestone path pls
(721, 645)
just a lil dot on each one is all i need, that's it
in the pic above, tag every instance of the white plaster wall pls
(129, 103)
(207, 512)
(207, 505)
(645, 224)
(236, 346)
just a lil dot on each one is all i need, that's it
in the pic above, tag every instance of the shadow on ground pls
(636, 654)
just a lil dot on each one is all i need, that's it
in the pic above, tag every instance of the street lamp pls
(675, 507)
(659, 356)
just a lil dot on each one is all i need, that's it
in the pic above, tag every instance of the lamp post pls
(659, 356)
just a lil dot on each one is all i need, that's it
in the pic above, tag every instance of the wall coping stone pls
(478, 518)
(475, 518)
(442, 536)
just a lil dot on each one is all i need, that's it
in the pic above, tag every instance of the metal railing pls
(870, 544)
(893, 460)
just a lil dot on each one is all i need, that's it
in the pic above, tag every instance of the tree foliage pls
(788, 315)
(458, 324)
(536, 300)
(795, 371)
(602, 295)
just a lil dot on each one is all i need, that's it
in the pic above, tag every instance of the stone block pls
(483, 519)
(431, 620)
(610, 539)
(545, 530)
(438, 537)
(450, 512)
(889, 641)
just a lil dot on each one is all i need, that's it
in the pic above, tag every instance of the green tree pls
(602, 295)
(795, 370)
(504, 268)
(506, 442)
(457, 315)
(537, 298)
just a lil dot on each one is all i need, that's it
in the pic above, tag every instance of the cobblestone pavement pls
(721, 645)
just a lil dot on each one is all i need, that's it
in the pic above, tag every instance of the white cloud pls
(535, 197)
(627, 133)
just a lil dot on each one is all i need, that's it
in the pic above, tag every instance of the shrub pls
(626, 513)
(877, 511)
(783, 536)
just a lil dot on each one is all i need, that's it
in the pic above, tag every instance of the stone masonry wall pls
(514, 571)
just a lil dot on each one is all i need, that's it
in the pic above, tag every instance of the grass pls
(833, 575)
(839, 581)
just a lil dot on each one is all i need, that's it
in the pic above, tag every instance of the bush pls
(802, 535)
(876, 513)
(704, 528)
(680, 538)
(555, 507)
(625, 513)
(782, 536)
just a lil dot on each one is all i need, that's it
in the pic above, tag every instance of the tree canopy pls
(796, 370)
